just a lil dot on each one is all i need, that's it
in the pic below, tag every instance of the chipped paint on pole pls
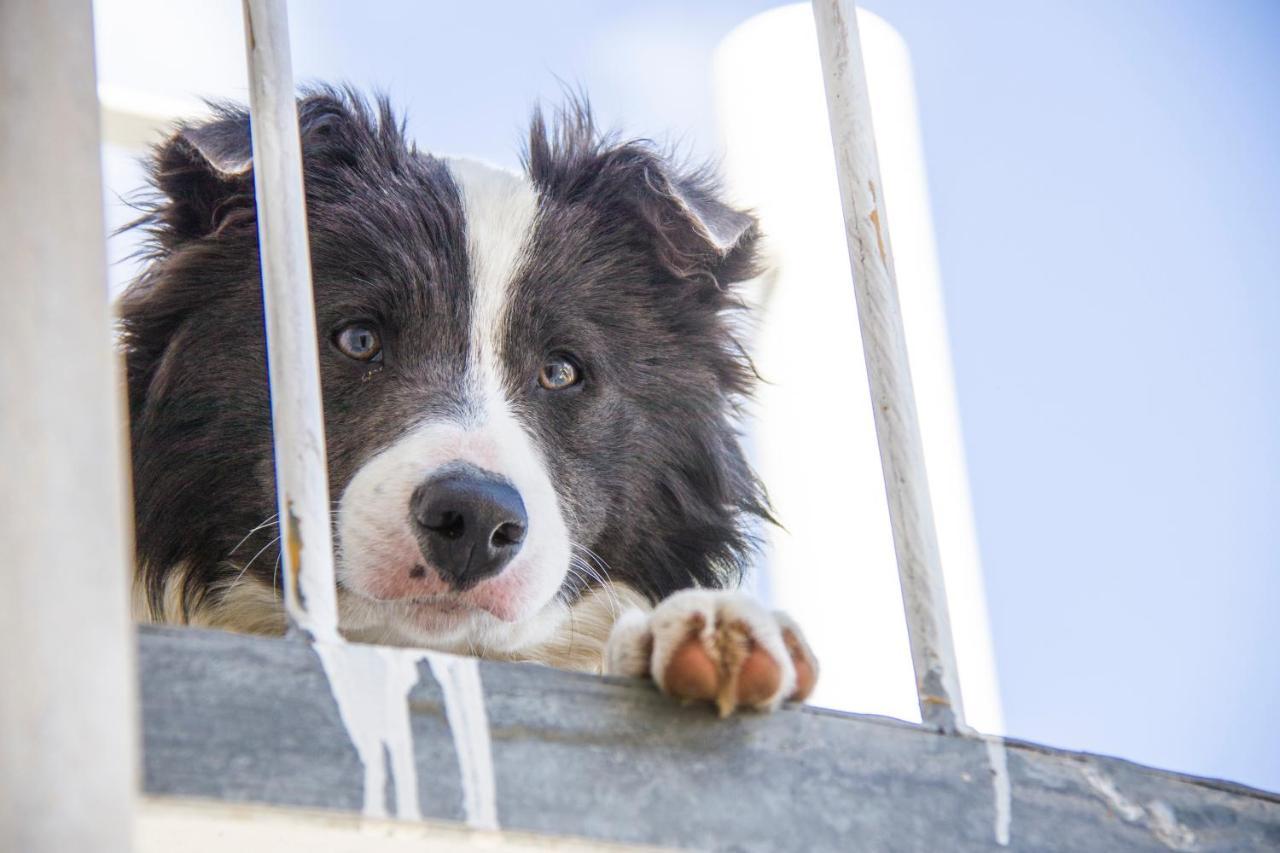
(884, 346)
(302, 482)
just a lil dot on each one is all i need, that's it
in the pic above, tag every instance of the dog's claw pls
(717, 647)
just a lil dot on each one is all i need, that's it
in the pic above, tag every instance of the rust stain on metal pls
(875, 220)
(248, 26)
(293, 552)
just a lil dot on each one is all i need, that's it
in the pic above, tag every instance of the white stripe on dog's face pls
(500, 210)
(378, 547)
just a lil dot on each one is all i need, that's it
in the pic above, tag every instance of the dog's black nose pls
(469, 524)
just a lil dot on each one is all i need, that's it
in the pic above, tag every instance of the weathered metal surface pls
(297, 416)
(884, 345)
(252, 720)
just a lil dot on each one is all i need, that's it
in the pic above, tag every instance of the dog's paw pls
(715, 646)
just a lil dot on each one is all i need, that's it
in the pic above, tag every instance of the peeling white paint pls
(1165, 826)
(1158, 816)
(371, 686)
(1128, 810)
(297, 413)
(1002, 788)
(897, 422)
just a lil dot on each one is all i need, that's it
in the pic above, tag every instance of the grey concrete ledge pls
(245, 719)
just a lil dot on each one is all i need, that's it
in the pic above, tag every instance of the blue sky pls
(1105, 180)
(1106, 187)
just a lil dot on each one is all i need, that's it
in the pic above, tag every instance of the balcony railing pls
(313, 722)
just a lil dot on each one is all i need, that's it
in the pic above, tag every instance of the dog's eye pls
(359, 341)
(559, 373)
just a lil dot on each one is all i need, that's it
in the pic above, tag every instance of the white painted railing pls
(68, 740)
(65, 532)
(297, 416)
(884, 345)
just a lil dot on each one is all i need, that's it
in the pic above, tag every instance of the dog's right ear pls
(205, 172)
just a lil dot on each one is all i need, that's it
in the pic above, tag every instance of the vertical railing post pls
(302, 481)
(68, 741)
(884, 346)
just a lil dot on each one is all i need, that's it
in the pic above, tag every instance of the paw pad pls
(717, 647)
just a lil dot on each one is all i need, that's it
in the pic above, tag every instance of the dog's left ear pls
(204, 172)
(694, 235)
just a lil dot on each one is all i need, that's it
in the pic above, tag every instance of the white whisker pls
(246, 566)
(584, 570)
(269, 521)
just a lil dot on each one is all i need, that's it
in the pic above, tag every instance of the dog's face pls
(527, 379)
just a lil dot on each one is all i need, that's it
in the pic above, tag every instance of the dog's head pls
(528, 379)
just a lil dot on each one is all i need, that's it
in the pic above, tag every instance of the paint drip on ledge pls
(371, 686)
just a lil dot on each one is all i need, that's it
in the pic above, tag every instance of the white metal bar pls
(884, 347)
(68, 742)
(302, 481)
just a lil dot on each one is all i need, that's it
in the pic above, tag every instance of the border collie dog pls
(529, 389)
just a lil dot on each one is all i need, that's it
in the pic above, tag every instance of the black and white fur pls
(603, 252)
